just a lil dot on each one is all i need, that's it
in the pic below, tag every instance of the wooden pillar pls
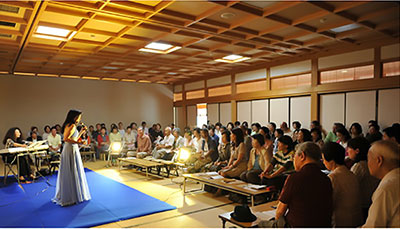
(184, 108)
(233, 102)
(268, 79)
(314, 94)
(377, 63)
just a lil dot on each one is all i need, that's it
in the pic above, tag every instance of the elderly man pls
(143, 145)
(165, 146)
(307, 194)
(179, 142)
(384, 163)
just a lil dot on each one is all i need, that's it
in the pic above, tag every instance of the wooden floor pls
(193, 210)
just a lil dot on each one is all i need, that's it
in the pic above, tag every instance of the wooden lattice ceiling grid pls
(104, 37)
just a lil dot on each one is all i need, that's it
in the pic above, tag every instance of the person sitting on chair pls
(129, 139)
(224, 151)
(179, 142)
(103, 142)
(34, 137)
(54, 142)
(165, 145)
(208, 153)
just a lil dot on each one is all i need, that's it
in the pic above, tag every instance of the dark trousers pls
(278, 181)
(251, 176)
(24, 167)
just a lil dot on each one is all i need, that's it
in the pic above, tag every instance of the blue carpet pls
(111, 201)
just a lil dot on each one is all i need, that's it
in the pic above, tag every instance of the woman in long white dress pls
(72, 187)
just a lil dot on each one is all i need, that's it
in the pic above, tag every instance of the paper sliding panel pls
(179, 122)
(191, 116)
(360, 107)
(259, 111)
(300, 110)
(213, 113)
(331, 110)
(279, 110)
(244, 111)
(388, 107)
(225, 113)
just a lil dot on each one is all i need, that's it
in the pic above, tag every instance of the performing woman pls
(72, 187)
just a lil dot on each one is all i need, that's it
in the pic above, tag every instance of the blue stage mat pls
(111, 201)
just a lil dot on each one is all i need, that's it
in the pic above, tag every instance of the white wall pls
(360, 107)
(244, 111)
(259, 111)
(302, 66)
(390, 51)
(223, 80)
(331, 109)
(300, 110)
(213, 113)
(388, 107)
(26, 101)
(346, 59)
(252, 75)
(225, 113)
(279, 110)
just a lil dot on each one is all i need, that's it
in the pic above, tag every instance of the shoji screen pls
(225, 113)
(388, 107)
(213, 113)
(331, 110)
(179, 122)
(279, 110)
(191, 116)
(244, 111)
(300, 110)
(360, 107)
(259, 111)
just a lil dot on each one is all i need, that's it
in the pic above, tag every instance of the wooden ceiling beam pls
(21, 4)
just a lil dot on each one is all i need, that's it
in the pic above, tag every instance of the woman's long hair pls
(71, 118)
(11, 134)
(239, 136)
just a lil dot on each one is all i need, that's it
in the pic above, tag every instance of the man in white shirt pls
(145, 129)
(384, 164)
(165, 145)
(54, 141)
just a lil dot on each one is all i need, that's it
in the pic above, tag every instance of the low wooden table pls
(146, 164)
(169, 165)
(231, 185)
(259, 211)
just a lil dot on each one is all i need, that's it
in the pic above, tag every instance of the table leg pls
(19, 182)
(223, 223)
(147, 173)
(184, 185)
(252, 200)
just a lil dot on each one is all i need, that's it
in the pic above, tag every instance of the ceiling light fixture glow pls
(90, 78)
(52, 31)
(159, 48)
(70, 76)
(49, 37)
(110, 79)
(128, 80)
(345, 28)
(232, 59)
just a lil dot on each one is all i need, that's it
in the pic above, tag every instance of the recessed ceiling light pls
(50, 37)
(128, 80)
(52, 31)
(110, 79)
(227, 15)
(345, 28)
(90, 78)
(144, 81)
(70, 76)
(160, 48)
(172, 73)
(232, 58)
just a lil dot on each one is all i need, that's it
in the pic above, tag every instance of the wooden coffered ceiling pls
(110, 33)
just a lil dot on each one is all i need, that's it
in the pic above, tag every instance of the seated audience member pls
(237, 124)
(278, 134)
(224, 152)
(258, 161)
(204, 126)
(197, 140)
(152, 131)
(46, 133)
(34, 137)
(97, 132)
(281, 162)
(383, 163)
(331, 137)
(307, 194)
(317, 124)
(165, 146)
(172, 126)
(391, 134)
(59, 132)
(115, 136)
(355, 130)
(373, 133)
(157, 133)
(303, 135)
(245, 124)
(91, 131)
(286, 130)
(54, 142)
(343, 137)
(143, 145)
(346, 191)
(112, 126)
(121, 129)
(85, 144)
(268, 145)
(272, 127)
(357, 149)
(145, 129)
(208, 153)
(230, 126)
(316, 136)
(188, 140)
(213, 136)
(179, 142)
(255, 128)
(218, 131)
(296, 129)
(103, 142)
(247, 141)
(237, 162)
(12, 139)
(129, 139)
(33, 129)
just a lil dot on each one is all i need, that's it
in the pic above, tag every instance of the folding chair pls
(9, 162)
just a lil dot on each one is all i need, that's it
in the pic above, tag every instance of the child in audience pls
(237, 163)
(357, 149)
(346, 191)
(258, 161)
(282, 162)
